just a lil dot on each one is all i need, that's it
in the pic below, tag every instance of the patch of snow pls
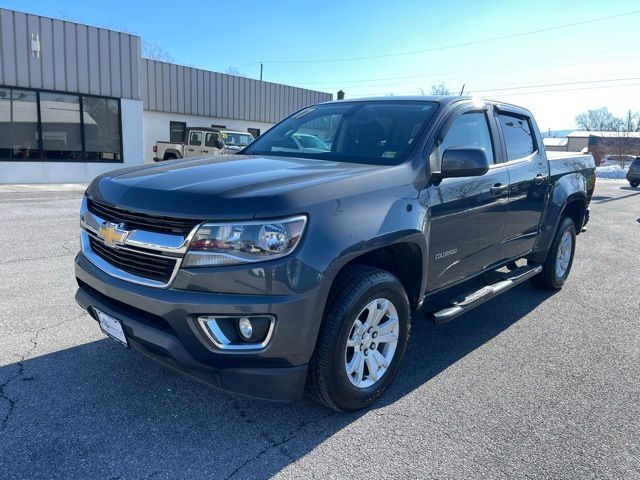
(611, 172)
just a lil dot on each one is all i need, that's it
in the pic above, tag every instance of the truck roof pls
(441, 99)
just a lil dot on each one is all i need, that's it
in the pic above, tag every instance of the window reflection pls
(18, 124)
(101, 128)
(60, 115)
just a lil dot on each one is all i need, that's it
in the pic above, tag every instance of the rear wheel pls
(362, 340)
(634, 183)
(556, 268)
(170, 156)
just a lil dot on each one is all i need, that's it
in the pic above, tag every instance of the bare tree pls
(598, 120)
(440, 89)
(234, 71)
(155, 51)
(631, 121)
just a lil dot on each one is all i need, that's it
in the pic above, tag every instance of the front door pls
(467, 214)
(210, 144)
(529, 174)
(194, 147)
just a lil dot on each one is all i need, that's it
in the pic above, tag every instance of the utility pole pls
(260, 71)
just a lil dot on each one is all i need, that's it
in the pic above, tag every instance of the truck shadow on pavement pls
(100, 411)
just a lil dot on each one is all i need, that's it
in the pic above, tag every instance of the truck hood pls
(232, 187)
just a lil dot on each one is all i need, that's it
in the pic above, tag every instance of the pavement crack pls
(273, 444)
(19, 373)
(20, 369)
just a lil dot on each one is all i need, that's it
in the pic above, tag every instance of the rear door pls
(529, 174)
(194, 147)
(467, 214)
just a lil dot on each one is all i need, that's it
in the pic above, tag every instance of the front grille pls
(135, 263)
(142, 221)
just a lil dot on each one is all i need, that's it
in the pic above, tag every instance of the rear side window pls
(196, 139)
(468, 130)
(517, 135)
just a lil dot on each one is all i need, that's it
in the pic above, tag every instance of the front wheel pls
(362, 340)
(556, 268)
(634, 183)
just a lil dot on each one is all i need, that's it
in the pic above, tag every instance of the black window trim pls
(84, 159)
(501, 110)
(459, 112)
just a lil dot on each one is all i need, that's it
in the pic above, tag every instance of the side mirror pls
(217, 143)
(464, 162)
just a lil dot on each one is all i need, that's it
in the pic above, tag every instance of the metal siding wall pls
(35, 68)
(174, 88)
(157, 73)
(125, 66)
(145, 83)
(22, 54)
(83, 59)
(73, 58)
(46, 53)
(151, 80)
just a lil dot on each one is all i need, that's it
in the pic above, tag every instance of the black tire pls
(634, 183)
(548, 278)
(353, 289)
(170, 156)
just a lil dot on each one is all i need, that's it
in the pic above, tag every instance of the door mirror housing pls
(217, 144)
(464, 162)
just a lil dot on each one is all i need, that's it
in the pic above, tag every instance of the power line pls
(511, 89)
(457, 45)
(460, 80)
(455, 72)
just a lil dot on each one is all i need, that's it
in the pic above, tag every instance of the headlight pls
(244, 242)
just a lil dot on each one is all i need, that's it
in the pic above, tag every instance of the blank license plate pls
(112, 327)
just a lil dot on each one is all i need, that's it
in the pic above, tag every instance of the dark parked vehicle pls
(633, 175)
(263, 272)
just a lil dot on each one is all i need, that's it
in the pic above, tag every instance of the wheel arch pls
(404, 259)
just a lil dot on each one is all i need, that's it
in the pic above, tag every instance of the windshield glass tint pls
(236, 139)
(368, 132)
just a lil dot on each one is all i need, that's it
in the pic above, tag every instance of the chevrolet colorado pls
(284, 267)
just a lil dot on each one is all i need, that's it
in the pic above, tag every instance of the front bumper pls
(162, 323)
(633, 175)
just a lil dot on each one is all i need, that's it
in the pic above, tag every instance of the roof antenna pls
(462, 91)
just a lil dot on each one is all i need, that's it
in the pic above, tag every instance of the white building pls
(77, 101)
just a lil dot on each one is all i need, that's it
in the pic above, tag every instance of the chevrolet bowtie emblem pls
(113, 234)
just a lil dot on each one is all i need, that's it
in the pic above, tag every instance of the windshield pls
(379, 132)
(236, 139)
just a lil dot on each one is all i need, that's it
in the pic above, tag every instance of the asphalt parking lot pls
(529, 385)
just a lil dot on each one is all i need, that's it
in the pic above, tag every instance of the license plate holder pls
(111, 327)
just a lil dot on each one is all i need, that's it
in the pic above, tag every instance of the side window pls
(468, 130)
(195, 139)
(517, 136)
(210, 140)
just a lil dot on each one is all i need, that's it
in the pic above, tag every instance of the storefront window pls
(61, 137)
(18, 124)
(61, 134)
(101, 128)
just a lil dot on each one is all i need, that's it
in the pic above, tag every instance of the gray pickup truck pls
(285, 268)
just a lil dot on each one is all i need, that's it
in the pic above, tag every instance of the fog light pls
(245, 327)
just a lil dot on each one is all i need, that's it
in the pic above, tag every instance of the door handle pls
(499, 189)
(540, 178)
(205, 151)
(190, 149)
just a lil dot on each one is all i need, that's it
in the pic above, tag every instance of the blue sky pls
(219, 35)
